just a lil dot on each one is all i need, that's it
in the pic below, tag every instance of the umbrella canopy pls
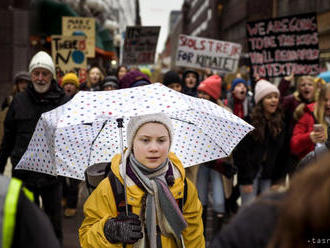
(325, 76)
(84, 131)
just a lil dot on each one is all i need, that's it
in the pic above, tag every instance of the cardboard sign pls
(204, 53)
(281, 46)
(81, 26)
(68, 54)
(140, 45)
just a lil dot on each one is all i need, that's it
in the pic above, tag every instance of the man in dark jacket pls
(41, 96)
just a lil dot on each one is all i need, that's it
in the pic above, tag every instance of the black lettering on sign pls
(278, 47)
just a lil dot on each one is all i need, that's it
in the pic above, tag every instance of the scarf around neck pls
(161, 208)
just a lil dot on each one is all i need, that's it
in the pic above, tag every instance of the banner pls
(68, 53)
(140, 45)
(204, 53)
(82, 26)
(281, 46)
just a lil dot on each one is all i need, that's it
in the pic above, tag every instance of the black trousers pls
(70, 191)
(51, 196)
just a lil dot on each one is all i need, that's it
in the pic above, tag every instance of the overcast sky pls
(156, 13)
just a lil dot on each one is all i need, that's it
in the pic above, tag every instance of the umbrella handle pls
(120, 126)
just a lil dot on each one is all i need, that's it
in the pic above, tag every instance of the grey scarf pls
(161, 207)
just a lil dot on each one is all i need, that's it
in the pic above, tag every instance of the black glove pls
(123, 229)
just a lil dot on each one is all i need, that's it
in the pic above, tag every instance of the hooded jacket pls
(101, 206)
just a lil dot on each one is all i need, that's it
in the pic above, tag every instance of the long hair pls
(320, 104)
(305, 211)
(260, 122)
(89, 84)
(318, 108)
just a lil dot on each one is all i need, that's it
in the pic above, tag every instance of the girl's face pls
(70, 89)
(95, 75)
(190, 80)
(239, 92)
(175, 86)
(270, 103)
(306, 89)
(327, 103)
(22, 85)
(122, 71)
(151, 144)
(202, 94)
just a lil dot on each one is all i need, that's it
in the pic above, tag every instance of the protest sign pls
(140, 45)
(204, 53)
(82, 26)
(68, 54)
(281, 46)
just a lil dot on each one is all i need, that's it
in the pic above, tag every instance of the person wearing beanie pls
(172, 80)
(264, 88)
(155, 181)
(132, 79)
(261, 156)
(42, 95)
(210, 88)
(190, 80)
(110, 83)
(239, 100)
(21, 80)
(70, 84)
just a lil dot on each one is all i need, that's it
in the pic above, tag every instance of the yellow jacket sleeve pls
(192, 212)
(99, 207)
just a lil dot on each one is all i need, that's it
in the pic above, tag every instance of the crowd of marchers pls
(278, 167)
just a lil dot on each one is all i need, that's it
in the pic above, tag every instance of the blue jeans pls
(259, 186)
(206, 175)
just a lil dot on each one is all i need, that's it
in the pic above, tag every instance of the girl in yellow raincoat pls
(155, 181)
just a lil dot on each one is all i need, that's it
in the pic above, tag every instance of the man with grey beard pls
(42, 95)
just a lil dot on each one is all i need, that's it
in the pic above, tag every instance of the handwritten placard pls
(83, 26)
(204, 53)
(281, 46)
(140, 45)
(69, 55)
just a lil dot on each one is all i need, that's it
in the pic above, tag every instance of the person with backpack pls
(146, 200)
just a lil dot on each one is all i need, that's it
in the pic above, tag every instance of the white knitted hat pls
(264, 88)
(136, 122)
(42, 60)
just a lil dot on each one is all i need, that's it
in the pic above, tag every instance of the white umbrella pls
(84, 131)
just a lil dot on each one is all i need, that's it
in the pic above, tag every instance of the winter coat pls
(251, 155)
(101, 206)
(20, 122)
(253, 225)
(301, 143)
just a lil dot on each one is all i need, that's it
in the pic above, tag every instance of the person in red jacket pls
(305, 133)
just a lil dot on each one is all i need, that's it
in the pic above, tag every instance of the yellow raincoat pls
(100, 206)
